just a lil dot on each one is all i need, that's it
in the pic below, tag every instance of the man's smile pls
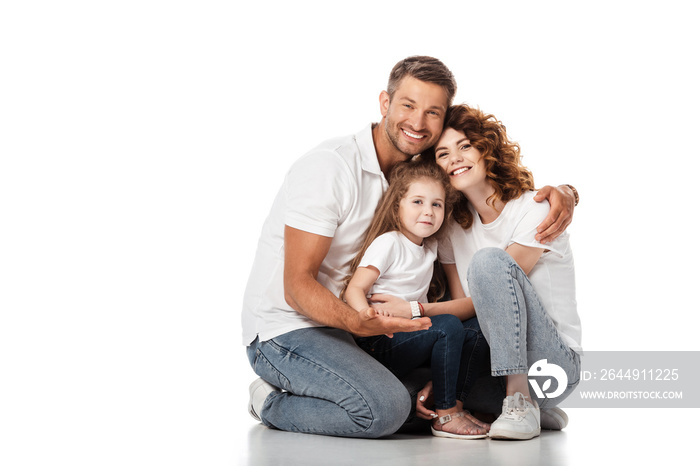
(412, 135)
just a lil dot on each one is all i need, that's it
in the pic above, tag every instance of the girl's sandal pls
(442, 420)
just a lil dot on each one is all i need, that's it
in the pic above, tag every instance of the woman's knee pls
(488, 260)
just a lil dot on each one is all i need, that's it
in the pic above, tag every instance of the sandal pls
(442, 420)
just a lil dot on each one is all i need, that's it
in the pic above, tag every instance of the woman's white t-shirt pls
(405, 268)
(552, 276)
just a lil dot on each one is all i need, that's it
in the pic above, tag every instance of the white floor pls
(594, 436)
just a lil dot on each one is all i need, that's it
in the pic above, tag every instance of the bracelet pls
(415, 309)
(575, 194)
(422, 311)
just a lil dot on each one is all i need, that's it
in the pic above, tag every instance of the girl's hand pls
(424, 399)
(388, 305)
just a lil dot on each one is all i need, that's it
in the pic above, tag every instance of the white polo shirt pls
(331, 191)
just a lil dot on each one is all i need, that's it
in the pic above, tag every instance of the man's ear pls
(384, 102)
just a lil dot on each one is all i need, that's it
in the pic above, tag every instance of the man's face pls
(413, 118)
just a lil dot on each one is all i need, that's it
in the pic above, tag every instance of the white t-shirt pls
(331, 191)
(405, 268)
(552, 276)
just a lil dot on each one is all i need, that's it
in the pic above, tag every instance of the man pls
(299, 334)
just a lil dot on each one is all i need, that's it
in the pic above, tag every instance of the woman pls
(522, 292)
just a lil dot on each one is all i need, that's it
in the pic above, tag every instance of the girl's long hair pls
(386, 217)
(504, 168)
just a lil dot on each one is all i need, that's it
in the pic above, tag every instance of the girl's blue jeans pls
(442, 346)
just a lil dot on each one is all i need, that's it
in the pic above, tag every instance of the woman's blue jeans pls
(516, 325)
(330, 386)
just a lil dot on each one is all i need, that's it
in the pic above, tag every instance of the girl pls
(523, 293)
(397, 258)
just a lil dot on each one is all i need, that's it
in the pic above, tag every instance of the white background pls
(142, 143)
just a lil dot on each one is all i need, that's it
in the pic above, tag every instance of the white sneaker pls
(259, 390)
(520, 419)
(553, 418)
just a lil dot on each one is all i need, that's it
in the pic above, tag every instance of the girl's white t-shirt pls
(405, 268)
(552, 276)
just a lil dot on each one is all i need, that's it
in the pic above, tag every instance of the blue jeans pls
(331, 386)
(518, 329)
(440, 346)
(474, 363)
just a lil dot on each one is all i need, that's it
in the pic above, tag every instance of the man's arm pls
(562, 201)
(303, 255)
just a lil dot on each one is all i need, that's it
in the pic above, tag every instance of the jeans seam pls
(444, 364)
(265, 360)
(512, 271)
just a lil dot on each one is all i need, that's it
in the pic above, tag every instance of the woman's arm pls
(525, 256)
(360, 284)
(459, 305)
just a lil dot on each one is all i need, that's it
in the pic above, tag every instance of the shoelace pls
(515, 405)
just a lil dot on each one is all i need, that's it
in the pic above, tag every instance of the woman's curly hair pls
(504, 169)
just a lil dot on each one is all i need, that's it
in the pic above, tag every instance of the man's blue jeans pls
(331, 386)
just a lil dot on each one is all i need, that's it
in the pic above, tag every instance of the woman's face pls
(462, 162)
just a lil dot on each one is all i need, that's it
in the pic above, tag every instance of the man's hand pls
(561, 201)
(370, 323)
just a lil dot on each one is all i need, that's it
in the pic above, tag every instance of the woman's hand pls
(424, 399)
(561, 211)
(390, 306)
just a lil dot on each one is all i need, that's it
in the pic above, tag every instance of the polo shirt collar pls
(368, 154)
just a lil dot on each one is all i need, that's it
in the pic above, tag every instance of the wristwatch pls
(415, 310)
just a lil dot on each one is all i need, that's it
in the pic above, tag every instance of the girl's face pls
(462, 162)
(422, 209)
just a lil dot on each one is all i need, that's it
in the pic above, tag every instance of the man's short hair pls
(423, 68)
